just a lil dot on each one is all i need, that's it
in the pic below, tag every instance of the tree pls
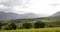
(10, 26)
(0, 25)
(39, 24)
(6, 27)
(13, 26)
(27, 25)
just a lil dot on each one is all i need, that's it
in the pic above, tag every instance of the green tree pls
(0, 25)
(39, 24)
(12, 26)
(27, 25)
(6, 27)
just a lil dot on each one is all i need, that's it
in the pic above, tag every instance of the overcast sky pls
(35, 6)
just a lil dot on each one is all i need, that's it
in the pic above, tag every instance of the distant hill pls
(56, 15)
(11, 16)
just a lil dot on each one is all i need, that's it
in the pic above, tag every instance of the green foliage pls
(39, 24)
(19, 27)
(6, 27)
(27, 25)
(51, 25)
(0, 25)
(12, 26)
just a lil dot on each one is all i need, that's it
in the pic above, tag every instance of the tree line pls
(13, 26)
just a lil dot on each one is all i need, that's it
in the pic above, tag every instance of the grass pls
(34, 30)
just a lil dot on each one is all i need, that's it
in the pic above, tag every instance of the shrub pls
(39, 24)
(6, 27)
(10, 26)
(0, 26)
(19, 27)
(27, 25)
(51, 25)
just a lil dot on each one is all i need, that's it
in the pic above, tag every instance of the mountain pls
(12, 16)
(55, 15)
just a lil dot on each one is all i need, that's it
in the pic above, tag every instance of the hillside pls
(56, 15)
(12, 16)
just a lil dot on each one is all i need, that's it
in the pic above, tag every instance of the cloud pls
(55, 4)
(14, 2)
(9, 5)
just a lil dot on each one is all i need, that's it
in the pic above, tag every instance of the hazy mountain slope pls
(57, 14)
(10, 16)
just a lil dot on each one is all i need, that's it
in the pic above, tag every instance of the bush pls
(6, 27)
(0, 26)
(27, 25)
(39, 24)
(51, 25)
(10, 26)
(19, 27)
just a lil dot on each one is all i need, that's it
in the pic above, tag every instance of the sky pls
(34, 6)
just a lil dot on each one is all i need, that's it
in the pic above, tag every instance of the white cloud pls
(14, 4)
(35, 6)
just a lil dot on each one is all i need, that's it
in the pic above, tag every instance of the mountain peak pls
(57, 14)
(12, 16)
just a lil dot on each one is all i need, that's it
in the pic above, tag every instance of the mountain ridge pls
(11, 16)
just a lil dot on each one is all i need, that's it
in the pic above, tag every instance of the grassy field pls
(34, 30)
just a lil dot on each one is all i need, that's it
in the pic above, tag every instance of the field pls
(34, 30)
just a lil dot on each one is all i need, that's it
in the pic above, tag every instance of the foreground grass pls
(34, 30)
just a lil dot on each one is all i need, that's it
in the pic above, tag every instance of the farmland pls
(34, 30)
